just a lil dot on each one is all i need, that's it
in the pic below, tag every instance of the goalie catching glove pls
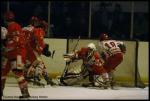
(69, 57)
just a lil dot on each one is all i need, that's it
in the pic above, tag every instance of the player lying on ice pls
(92, 65)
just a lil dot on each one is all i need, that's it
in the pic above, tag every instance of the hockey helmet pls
(34, 21)
(44, 24)
(103, 36)
(9, 15)
(92, 46)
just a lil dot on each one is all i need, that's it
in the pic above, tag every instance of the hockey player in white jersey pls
(112, 52)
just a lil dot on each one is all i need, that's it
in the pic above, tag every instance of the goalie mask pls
(92, 48)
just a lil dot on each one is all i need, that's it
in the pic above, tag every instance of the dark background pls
(69, 19)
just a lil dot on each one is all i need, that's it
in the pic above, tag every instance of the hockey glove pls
(46, 51)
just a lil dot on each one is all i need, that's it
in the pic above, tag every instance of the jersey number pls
(112, 44)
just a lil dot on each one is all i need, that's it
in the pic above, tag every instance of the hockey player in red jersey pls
(92, 62)
(36, 47)
(112, 52)
(15, 54)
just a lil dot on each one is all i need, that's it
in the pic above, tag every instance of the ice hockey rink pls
(12, 91)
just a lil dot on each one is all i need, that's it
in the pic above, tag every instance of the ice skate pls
(25, 93)
(107, 85)
(91, 84)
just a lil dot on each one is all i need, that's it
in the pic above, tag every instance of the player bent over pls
(112, 52)
(36, 47)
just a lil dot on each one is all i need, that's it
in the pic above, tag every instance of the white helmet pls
(92, 46)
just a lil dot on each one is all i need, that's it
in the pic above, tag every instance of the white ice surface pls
(67, 92)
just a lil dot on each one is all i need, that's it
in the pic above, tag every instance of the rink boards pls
(125, 72)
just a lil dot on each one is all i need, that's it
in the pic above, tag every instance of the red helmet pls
(34, 18)
(9, 15)
(34, 21)
(44, 25)
(103, 36)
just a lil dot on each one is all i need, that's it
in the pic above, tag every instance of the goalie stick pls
(76, 44)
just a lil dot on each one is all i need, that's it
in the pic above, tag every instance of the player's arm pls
(72, 56)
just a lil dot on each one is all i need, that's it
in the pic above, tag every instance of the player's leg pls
(110, 66)
(30, 63)
(100, 70)
(23, 85)
(5, 70)
(113, 62)
(46, 76)
(17, 67)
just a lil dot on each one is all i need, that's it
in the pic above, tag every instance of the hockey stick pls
(76, 44)
(64, 74)
(53, 54)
